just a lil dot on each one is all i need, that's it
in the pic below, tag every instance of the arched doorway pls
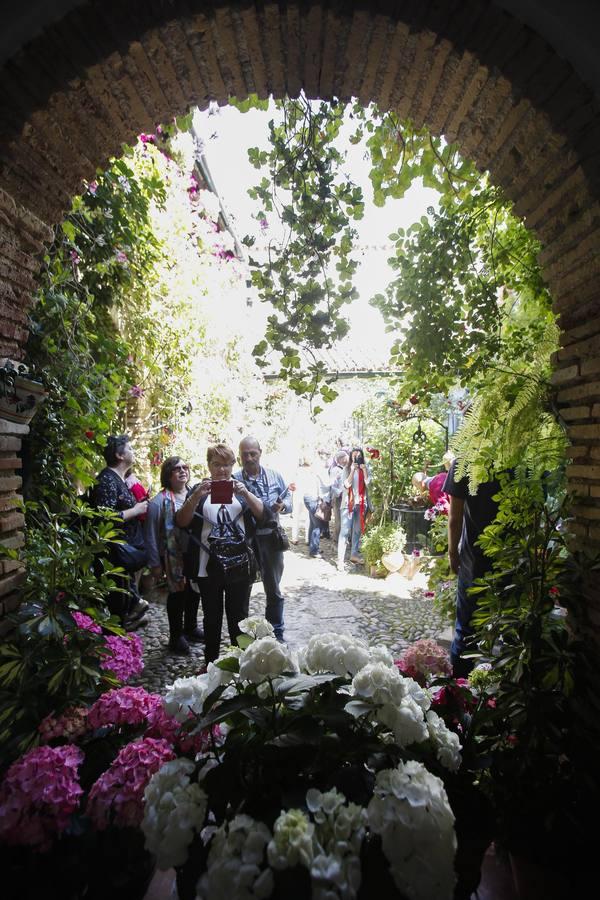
(103, 72)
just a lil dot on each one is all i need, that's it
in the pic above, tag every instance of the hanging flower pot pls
(20, 396)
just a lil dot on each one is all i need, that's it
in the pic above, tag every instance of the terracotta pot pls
(377, 572)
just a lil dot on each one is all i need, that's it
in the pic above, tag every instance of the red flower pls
(89, 435)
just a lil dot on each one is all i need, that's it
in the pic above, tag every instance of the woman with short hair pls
(165, 544)
(199, 514)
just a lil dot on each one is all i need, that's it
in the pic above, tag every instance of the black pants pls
(215, 596)
(182, 612)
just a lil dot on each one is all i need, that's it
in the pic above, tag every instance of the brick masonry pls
(109, 70)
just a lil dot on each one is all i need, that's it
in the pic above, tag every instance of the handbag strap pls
(223, 518)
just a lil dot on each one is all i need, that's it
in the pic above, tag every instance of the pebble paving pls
(393, 611)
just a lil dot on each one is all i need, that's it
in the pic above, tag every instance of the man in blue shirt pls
(269, 486)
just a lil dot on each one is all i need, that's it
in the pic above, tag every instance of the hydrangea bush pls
(327, 779)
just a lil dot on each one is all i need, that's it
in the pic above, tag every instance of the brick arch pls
(109, 70)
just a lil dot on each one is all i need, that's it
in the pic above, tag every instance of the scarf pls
(173, 550)
(362, 499)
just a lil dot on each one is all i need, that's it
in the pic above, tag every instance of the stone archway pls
(106, 71)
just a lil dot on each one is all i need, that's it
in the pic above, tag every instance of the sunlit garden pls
(329, 767)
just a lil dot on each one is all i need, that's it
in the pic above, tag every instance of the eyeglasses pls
(181, 469)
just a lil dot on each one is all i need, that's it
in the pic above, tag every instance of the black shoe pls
(196, 635)
(179, 645)
(130, 624)
(138, 609)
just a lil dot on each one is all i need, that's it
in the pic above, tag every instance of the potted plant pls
(379, 541)
(20, 395)
(329, 779)
(70, 808)
(539, 729)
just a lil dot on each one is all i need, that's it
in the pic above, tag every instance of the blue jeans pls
(349, 529)
(465, 607)
(314, 527)
(271, 568)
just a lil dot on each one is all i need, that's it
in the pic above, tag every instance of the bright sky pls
(227, 135)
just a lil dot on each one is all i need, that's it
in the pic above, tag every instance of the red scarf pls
(362, 499)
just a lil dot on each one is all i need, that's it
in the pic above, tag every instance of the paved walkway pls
(392, 611)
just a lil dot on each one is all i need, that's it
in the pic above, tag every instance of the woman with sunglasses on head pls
(165, 545)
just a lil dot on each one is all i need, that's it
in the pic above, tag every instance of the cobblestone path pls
(392, 611)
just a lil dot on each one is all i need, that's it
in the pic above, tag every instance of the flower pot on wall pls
(19, 397)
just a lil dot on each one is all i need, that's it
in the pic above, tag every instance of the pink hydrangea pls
(117, 796)
(123, 706)
(38, 795)
(161, 724)
(70, 725)
(86, 623)
(424, 659)
(125, 659)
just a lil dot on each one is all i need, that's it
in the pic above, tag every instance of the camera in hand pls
(221, 491)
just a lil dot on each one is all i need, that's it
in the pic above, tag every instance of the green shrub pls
(378, 540)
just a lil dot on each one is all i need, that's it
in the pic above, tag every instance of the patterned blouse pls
(111, 492)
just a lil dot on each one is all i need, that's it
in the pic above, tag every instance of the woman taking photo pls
(354, 506)
(165, 546)
(202, 511)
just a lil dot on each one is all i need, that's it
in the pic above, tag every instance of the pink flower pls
(123, 706)
(424, 659)
(117, 796)
(264, 225)
(125, 659)
(121, 257)
(93, 187)
(75, 258)
(416, 553)
(68, 726)
(86, 623)
(136, 391)
(162, 725)
(147, 138)
(38, 795)
(429, 594)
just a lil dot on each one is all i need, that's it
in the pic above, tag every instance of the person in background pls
(199, 514)
(302, 484)
(111, 492)
(469, 514)
(316, 499)
(165, 545)
(354, 507)
(270, 487)
(336, 476)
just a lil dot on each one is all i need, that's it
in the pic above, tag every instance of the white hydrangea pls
(292, 842)
(405, 720)
(381, 654)
(235, 866)
(339, 833)
(257, 627)
(338, 653)
(187, 695)
(447, 743)
(380, 683)
(410, 811)
(174, 809)
(265, 658)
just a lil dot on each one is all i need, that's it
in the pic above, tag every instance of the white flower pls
(405, 720)
(379, 683)
(381, 654)
(174, 809)
(339, 833)
(341, 654)
(256, 627)
(187, 695)
(124, 182)
(235, 865)
(410, 811)
(292, 842)
(447, 743)
(265, 658)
